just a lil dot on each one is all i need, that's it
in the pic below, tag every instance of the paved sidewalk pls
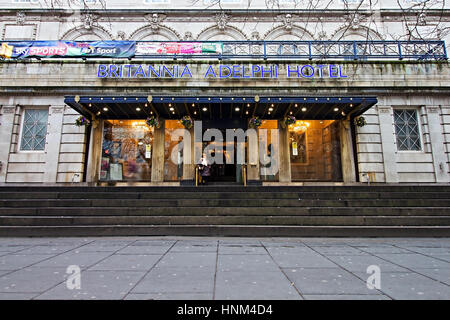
(223, 268)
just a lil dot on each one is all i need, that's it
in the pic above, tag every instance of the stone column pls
(53, 141)
(95, 151)
(437, 144)
(6, 130)
(387, 143)
(158, 154)
(284, 152)
(347, 156)
(253, 175)
(188, 157)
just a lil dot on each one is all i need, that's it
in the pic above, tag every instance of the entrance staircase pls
(257, 211)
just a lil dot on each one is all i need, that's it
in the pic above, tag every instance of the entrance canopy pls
(204, 107)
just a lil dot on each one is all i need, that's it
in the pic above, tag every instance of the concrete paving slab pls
(361, 263)
(127, 262)
(184, 259)
(414, 260)
(241, 241)
(124, 268)
(332, 281)
(383, 249)
(16, 296)
(442, 257)
(177, 280)
(243, 262)
(195, 246)
(302, 260)
(81, 259)
(97, 285)
(48, 249)
(100, 247)
(241, 249)
(171, 296)
(337, 250)
(412, 286)
(429, 250)
(25, 242)
(144, 249)
(66, 241)
(248, 284)
(346, 297)
(329, 241)
(13, 248)
(290, 250)
(32, 280)
(442, 275)
(159, 243)
(17, 261)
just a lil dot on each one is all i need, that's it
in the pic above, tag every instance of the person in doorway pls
(204, 168)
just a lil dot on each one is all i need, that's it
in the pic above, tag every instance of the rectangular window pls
(34, 129)
(407, 130)
(127, 151)
(315, 150)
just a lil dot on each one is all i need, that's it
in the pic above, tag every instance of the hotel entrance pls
(284, 139)
(223, 153)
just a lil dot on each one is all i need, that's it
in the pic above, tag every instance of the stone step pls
(383, 210)
(203, 189)
(225, 203)
(210, 211)
(227, 220)
(225, 230)
(224, 195)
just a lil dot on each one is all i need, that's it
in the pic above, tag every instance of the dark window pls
(407, 130)
(34, 129)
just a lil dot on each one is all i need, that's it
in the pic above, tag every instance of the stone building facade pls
(411, 95)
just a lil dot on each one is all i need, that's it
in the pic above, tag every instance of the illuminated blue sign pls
(238, 71)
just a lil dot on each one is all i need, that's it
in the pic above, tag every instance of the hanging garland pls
(153, 122)
(187, 122)
(360, 121)
(254, 123)
(82, 121)
(289, 120)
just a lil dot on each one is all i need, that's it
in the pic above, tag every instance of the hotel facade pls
(280, 95)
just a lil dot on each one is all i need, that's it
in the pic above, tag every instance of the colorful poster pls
(294, 148)
(163, 48)
(73, 49)
(148, 151)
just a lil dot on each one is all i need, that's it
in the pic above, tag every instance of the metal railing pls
(309, 50)
(197, 175)
(420, 50)
(244, 174)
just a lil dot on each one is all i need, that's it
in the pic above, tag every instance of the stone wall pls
(377, 149)
(423, 86)
(63, 155)
(72, 76)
